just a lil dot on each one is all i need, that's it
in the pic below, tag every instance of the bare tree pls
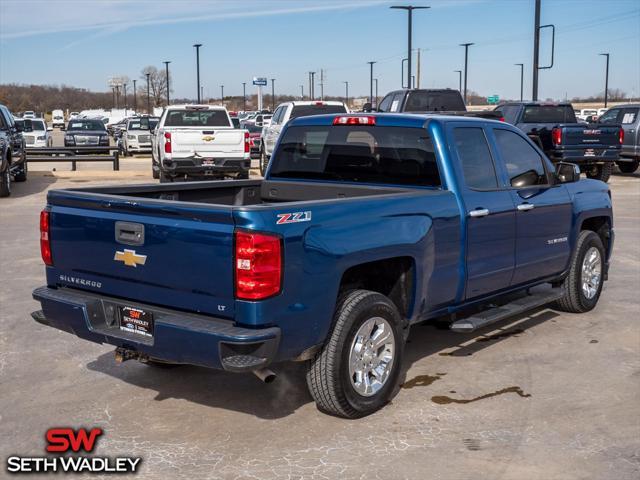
(157, 85)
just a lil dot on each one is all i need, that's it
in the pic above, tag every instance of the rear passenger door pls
(273, 129)
(490, 222)
(543, 208)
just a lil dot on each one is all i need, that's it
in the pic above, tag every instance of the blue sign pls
(262, 81)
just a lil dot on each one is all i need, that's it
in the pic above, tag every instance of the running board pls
(495, 314)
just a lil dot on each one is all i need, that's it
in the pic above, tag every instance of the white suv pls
(288, 111)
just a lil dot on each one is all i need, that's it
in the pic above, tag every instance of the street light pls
(148, 95)
(135, 97)
(606, 80)
(311, 75)
(197, 47)
(273, 94)
(371, 82)
(376, 80)
(409, 9)
(222, 94)
(124, 86)
(166, 69)
(521, 65)
(466, 58)
(459, 79)
(244, 96)
(302, 92)
(402, 71)
(346, 93)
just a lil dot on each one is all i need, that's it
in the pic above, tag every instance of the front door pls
(543, 209)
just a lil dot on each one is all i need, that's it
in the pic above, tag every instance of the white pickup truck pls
(198, 141)
(287, 111)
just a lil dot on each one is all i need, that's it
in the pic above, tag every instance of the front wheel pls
(356, 372)
(5, 182)
(600, 172)
(582, 286)
(629, 167)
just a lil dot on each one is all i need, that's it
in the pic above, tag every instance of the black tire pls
(164, 178)
(5, 182)
(629, 167)
(264, 162)
(328, 377)
(21, 174)
(155, 173)
(573, 298)
(600, 172)
(242, 176)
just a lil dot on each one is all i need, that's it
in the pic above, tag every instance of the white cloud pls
(24, 18)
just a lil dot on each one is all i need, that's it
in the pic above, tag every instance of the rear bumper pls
(600, 155)
(193, 166)
(178, 337)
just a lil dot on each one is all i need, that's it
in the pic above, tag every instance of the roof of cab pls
(415, 120)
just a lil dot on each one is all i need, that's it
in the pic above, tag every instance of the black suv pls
(12, 152)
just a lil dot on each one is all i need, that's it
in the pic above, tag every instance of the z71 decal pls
(293, 217)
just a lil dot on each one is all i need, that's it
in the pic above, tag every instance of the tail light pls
(45, 242)
(167, 142)
(258, 265)
(502, 119)
(355, 120)
(621, 136)
(556, 136)
(246, 142)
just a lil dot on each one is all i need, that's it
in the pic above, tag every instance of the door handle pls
(479, 212)
(523, 207)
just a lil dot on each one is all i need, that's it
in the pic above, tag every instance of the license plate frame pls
(208, 162)
(136, 321)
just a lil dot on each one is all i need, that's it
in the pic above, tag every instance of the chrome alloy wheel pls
(591, 273)
(371, 356)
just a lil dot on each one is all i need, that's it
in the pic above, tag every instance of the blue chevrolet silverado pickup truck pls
(363, 226)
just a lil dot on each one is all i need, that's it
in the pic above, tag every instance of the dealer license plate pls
(136, 320)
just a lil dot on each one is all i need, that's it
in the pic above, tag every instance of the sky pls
(82, 43)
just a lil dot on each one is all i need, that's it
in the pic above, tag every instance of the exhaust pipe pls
(264, 374)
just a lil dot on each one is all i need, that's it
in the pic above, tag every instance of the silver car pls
(36, 134)
(136, 137)
(629, 117)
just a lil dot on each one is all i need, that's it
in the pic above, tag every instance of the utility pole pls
(371, 82)
(197, 47)
(311, 83)
(459, 79)
(402, 71)
(409, 9)
(321, 84)
(302, 92)
(148, 95)
(606, 80)
(222, 95)
(536, 50)
(244, 96)
(346, 93)
(124, 87)
(166, 69)
(521, 65)
(376, 80)
(418, 69)
(135, 97)
(273, 95)
(466, 63)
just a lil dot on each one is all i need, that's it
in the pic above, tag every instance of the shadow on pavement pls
(36, 182)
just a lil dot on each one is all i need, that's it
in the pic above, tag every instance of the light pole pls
(311, 75)
(402, 71)
(521, 65)
(135, 96)
(346, 93)
(371, 82)
(244, 96)
(606, 80)
(466, 62)
(166, 70)
(197, 47)
(124, 87)
(376, 80)
(302, 92)
(273, 94)
(459, 79)
(222, 94)
(148, 95)
(409, 9)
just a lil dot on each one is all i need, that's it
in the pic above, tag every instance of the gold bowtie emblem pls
(208, 138)
(130, 258)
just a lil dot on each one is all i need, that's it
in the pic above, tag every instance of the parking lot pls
(546, 395)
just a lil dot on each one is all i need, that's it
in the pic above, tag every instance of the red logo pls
(65, 439)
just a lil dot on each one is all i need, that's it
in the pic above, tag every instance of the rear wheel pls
(629, 167)
(581, 289)
(600, 172)
(164, 178)
(5, 182)
(356, 371)
(242, 176)
(21, 174)
(264, 162)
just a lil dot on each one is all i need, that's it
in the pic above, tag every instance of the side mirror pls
(567, 172)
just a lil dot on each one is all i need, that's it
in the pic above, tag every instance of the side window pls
(385, 104)
(509, 112)
(525, 166)
(610, 116)
(475, 157)
(396, 103)
(629, 115)
(277, 116)
(3, 124)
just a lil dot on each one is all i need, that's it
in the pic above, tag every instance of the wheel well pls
(601, 226)
(392, 277)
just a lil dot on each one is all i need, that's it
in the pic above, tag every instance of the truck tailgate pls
(590, 135)
(182, 259)
(207, 142)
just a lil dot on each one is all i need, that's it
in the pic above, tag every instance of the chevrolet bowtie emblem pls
(130, 258)
(208, 138)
